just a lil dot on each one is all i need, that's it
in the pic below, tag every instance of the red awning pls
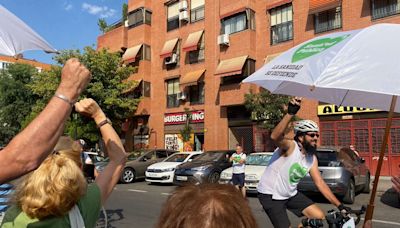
(131, 53)
(277, 3)
(192, 42)
(232, 66)
(191, 78)
(269, 58)
(168, 48)
(242, 9)
(322, 5)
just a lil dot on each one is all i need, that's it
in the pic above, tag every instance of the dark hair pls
(206, 206)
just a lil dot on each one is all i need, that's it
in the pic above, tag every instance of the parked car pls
(163, 172)
(343, 171)
(207, 167)
(255, 166)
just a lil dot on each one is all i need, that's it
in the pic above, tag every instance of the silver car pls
(343, 171)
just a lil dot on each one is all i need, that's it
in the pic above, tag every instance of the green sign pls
(296, 173)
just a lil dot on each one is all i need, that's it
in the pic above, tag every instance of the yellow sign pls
(338, 110)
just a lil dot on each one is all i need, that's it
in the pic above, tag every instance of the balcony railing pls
(382, 9)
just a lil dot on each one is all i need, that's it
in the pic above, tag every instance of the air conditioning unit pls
(126, 23)
(223, 39)
(181, 96)
(184, 16)
(183, 5)
(171, 60)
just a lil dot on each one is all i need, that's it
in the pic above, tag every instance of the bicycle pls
(102, 222)
(336, 219)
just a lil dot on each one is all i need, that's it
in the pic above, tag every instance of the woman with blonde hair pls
(56, 194)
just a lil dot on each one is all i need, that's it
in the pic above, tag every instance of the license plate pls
(181, 178)
(151, 174)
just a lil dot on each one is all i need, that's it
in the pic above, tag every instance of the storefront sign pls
(175, 142)
(338, 110)
(180, 117)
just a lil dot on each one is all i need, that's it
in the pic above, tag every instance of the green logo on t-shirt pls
(316, 46)
(296, 172)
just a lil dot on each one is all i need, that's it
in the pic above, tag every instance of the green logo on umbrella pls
(316, 46)
(296, 172)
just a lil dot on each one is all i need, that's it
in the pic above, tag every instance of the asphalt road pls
(139, 205)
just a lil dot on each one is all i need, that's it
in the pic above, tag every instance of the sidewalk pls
(384, 183)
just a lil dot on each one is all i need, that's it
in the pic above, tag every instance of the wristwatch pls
(104, 122)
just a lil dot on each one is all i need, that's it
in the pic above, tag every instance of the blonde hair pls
(56, 186)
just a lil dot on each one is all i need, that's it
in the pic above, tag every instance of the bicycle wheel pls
(102, 222)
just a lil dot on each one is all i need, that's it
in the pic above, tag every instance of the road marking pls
(385, 222)
(136, 190)
(166, 194)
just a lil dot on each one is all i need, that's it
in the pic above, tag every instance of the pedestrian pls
(238, 160)
(57, 194)
(353, 148)
(30, 147)
(290, 162)
(6, 191)
(206, 206)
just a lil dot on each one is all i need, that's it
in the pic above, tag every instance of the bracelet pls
(104, 122)
(64, 98)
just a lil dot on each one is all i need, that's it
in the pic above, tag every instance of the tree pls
(266, 108)
(186, 131)
(16, 99)
(106, 87)
(102, 25)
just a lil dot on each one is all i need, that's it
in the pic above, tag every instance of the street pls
(139, 205)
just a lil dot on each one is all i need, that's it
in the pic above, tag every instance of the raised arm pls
(110, 176)
(29, 148)
(278, 133)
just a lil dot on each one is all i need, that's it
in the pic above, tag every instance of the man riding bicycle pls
(291, 161)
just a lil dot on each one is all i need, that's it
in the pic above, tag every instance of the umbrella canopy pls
(17, 37)
(358, 68)
(354, 68)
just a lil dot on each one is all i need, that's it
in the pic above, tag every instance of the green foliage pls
(187, 129)
(267, 108)
(102, 25)
(105, 87)
(16, 99)
(124, 12)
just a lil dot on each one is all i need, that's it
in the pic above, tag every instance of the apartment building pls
(5, 61)
(192, 55)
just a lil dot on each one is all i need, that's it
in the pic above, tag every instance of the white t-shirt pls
(282, 174)
(236, 166)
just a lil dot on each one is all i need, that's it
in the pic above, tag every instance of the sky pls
(64, 24)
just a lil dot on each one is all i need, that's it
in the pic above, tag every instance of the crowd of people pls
(55, 193)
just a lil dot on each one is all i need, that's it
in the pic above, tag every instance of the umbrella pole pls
(370, 208)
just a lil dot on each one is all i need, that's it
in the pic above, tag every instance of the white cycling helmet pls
(305, 126)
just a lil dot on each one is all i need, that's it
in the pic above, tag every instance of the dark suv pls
(342, 170)
(207, 167)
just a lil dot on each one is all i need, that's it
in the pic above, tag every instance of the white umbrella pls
(358, 68)
(17, 37)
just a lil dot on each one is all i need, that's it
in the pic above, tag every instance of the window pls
(328, 20)
(145, 52)
(172, 93)
(238, 22)
(281, 24)
(197, 55)
(384, 8)
(248, 69)
(196, 93)
(142, 90)
(196, 10)
(138, 17)
(4, 65)
(173, 16)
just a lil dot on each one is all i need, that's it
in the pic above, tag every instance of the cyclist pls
(291, 161)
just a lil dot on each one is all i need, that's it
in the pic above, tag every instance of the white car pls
(255, 166)
(163, 172)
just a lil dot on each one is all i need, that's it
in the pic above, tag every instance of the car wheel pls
(128, 175)
(367, 186)
(350, 193)
(214, 177)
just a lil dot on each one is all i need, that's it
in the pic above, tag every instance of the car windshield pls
(177, 158)
(325, 158)
(209, 156)
(258, 159)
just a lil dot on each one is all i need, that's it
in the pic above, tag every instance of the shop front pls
(363, 128)
(175, 134)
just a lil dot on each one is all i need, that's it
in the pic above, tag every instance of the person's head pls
(206, 206)
(239, 149)
(352, 147)
(307, 133)
(57, 185)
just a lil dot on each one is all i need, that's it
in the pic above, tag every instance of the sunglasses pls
(312, 135)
